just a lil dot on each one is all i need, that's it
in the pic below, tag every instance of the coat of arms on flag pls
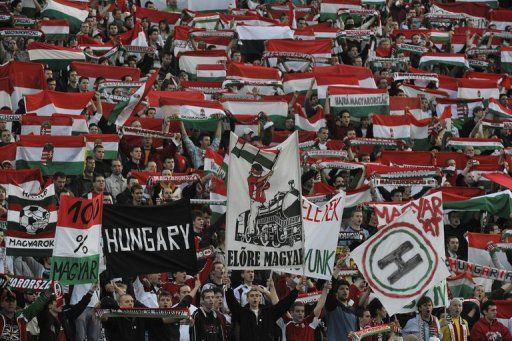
(264, 208)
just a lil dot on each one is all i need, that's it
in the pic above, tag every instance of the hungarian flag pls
(459, 108)
(498, 110)
(55, 125)
(211, 72)
(110, 143)
(490, 3)
(504, 308)
(313, 123)
(57, 29)
(110, 73)
(329, 8)
(499, 203)
(5, 93)
(248, 72)
(416, 91)
(360, 102)
(218, 192)
(297, 82)
(31, 221)
(29, 180)
(477, 88)
(189, 60)
(398, 106)
(215, 164)
(155, 16)
(500, 18)
(198, 114)
(133, 37)
(24, 78)
(74, 13)
(47, 102)
(252, 38)
(461, 285)
(473, 11)
(246, 111)
(56, 57)
(155, 95)
(123, 110)
(478, 250)
(394, 127)
(207, 20)
(449, 59)
(76, 254)
(51, 154)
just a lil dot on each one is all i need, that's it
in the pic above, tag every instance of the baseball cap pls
(248, 131)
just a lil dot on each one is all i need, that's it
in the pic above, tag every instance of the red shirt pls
(257, 189)
(303, 331)
(484, 331)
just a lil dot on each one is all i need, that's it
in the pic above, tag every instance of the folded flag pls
(110, 143)
(123, 110)
(30, 180)
(51, 154)
(313, 123)
(56, 57)
(31, 221)
(76, 254)
(449, 59)
(55, 125)
(189, 60)
(74, 13)
(47, 102)
(360, 102)
(54, 30)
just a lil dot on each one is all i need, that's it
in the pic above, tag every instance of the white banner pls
(321, 228)
(264, 221)
(405, 258)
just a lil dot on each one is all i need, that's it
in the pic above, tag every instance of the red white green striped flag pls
(329, 8)
(297, 82)
(110, 143)
(506, 59)
(155, 16)
(480, 144)
(199, 114)
(395, 127)
(51, 154)
(56, 57)
(399, 105)
(247, 111)
(319, 51)
(110, 73)
(133, 37)
(499, 111)
(218, 192)
(74, 13)
(29, 180)
(57, 29)
(461, 285)
(313, 123)
(54, 125)
(24, 79)
(450, 59)
(363, 74)
(123, 110)
(76, 252)
(477, 88)
(323, 82)
(216, 164)
(47, 102)
(189, 60)
(211, 72)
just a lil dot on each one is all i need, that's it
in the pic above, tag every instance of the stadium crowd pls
(441, 68)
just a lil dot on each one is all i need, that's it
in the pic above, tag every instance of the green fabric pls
(35, 308)
(499, 204)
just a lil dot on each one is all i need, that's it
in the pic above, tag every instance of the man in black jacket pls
(208, 325)
(261, 327)
(122, 328)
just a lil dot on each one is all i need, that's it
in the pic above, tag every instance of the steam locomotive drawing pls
(277, 224)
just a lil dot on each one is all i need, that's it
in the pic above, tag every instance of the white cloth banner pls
(405, 258)
(264, 220)
(321, 229)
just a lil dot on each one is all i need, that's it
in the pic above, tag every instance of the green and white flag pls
(499, 203)
(196, 114)
(110, 143)
(56, 57)
(450, 59)
(360, 102)
(498, 110)
(506, 59)
(480, 144)
(123, 110)
(76, 254)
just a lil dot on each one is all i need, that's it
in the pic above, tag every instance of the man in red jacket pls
(488, 328)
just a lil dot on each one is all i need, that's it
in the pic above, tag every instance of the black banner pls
(148, 239)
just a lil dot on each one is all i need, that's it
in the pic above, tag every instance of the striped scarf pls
(453, 334)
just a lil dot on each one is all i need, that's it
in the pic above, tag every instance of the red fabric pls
(299, 331)
(354, 294)
(257, 188)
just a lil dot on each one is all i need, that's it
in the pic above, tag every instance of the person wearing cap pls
(248, 134)
(13, 322)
